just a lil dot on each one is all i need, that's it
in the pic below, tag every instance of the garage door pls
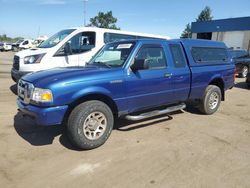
(234, 39)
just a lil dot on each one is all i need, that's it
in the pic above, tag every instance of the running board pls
(155, 112)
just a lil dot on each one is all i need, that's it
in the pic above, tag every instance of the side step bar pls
(155, 112)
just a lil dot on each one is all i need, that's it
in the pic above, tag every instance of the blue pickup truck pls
(134, 79)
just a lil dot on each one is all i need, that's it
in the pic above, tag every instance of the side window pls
(75, 44)
(177, 54)
(25, 42)
(82, 42)
(154, 56)
(209, 55)
(112, 37)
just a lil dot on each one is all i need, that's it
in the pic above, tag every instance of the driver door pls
(79, 45)
(153, 86)
(72, 59)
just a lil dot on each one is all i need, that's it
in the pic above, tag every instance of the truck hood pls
(67, 75)
(32, 51)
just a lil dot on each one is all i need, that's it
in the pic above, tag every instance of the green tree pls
(205, 15)
(187, 32)
(104, 20)
(5, 38)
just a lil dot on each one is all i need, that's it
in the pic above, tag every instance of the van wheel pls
(90, 124)
(211, 100)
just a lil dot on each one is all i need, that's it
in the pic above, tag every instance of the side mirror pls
(140, 64)
(67, 49)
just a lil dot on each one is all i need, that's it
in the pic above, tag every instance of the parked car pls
(248, 80)
(1, 46)
(69, 47)
(38, 41)
(134, 79)
(7, 46)
(4, 46)
(15, 45)
(241, 59)
(26, 44)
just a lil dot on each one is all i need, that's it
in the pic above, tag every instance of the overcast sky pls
(30, 18)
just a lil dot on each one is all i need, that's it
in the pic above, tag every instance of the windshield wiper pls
(102, 63)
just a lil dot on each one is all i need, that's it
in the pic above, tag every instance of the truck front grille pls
(25, 90)
(16, 62)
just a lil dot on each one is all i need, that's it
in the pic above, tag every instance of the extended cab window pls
(209, 55)
(82, 42)
(177, 55)
(153, 55)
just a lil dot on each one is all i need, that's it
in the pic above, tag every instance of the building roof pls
(230, 24)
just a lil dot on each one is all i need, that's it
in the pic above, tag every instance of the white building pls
(235, 32)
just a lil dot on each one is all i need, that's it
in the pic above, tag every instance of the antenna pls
(84, 11)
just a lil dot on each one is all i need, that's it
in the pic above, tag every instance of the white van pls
(26, 44)
(69, 47)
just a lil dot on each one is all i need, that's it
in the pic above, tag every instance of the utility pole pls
(84, 10)
(38, 33)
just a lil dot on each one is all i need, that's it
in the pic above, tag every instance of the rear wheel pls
(211, 100)
(90, 124)
(244, 72)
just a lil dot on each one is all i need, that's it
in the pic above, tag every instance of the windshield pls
(113, 54)
(239, 53)
(55, 39)
(19, 41)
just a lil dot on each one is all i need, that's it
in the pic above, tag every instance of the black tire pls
(80, 117)
(206, 105)
(244, 72)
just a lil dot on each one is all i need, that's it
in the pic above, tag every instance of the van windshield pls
(113, 54)
(19, 41)
(56, 38)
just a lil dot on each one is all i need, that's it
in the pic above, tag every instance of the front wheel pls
(244, 72)
(90, 124)
(211, 100)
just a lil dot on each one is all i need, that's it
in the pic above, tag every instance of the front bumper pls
(16, 75)
(43, 116)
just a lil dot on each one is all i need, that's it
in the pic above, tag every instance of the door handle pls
(168, 75)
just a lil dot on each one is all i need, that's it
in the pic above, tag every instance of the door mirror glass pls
(67, 49)
(140, 64)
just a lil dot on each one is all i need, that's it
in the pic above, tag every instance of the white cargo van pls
(26, 44)
(69, 47)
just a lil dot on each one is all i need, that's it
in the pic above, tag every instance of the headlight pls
(33, 59)
(42, 95)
